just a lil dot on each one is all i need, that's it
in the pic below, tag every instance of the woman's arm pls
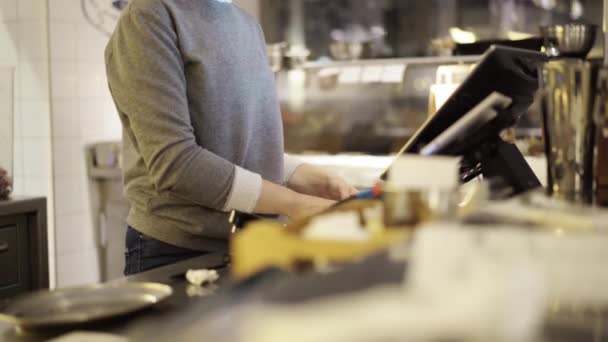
(316, 181)
(276, 199)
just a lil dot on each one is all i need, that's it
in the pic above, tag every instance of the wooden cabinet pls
(23, 247)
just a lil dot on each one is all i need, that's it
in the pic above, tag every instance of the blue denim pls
(144, 253)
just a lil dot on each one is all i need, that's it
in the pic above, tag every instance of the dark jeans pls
(145, 253)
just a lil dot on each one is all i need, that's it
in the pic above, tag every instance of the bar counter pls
(212, 313)
(188, 313)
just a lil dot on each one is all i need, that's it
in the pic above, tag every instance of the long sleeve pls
(147, 80)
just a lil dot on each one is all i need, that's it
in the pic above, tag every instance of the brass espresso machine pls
(575, 112)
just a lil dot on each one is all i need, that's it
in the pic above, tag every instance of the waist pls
(199, 232)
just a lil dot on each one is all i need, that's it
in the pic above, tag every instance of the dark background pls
(412, 24)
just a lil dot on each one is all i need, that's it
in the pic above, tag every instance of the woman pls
(202, 132)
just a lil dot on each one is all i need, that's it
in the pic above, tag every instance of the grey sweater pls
(201, 120)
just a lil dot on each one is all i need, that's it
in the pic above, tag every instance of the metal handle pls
(3, 246)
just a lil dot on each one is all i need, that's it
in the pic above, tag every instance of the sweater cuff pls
(245, 192)
(290, 166)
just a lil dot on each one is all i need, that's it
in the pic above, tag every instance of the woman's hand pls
(315, 181)
(6, 183)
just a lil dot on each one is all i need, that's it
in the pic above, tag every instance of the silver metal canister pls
(570, 130)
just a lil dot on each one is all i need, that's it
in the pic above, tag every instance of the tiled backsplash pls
(82, 112)
(24, 46)
(6, 118)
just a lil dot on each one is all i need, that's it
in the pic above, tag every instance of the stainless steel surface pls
(395, 61)
(569, 40)
(569, 86)
(79, 305)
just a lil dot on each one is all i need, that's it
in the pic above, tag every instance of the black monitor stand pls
(504, 165)
(476, 138)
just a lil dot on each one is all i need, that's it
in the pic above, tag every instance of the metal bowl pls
(569, 40)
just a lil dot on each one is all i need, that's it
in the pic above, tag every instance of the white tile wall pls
(8, 10)
(32, 162)
(113, 127)
(90, 44)
(36, 158)
(18, 163)
(37, 186)
(18, 176)
(82, 113)
(73, 235)
(92, 81)
(24, 45)
(6, 118)
(92, 127)
(36, 113)
(31, 9)
(33, 39)
(74, 196)
(64, 11)
(64, 80)
(8, 42)
(63, 36)
(66, 118)
(77, 268)
(33, 80)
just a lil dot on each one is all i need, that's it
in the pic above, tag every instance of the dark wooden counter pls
(23, 246)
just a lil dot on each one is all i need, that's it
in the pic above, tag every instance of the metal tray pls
(81, 305)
